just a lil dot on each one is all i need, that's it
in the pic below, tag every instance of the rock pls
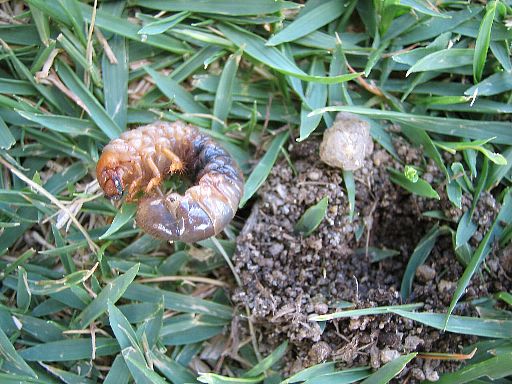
(319, 352)
(424, 273)
(412, 342)
(418, 374)
(387, 355)
(445, 285)
(346, 144)
(321, 308)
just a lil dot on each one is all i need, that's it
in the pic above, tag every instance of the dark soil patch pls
(287, 277)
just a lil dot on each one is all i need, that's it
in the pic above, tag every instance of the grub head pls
(109, 173)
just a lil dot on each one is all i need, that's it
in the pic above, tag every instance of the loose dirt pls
(287, 277)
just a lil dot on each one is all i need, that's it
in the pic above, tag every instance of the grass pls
(85, 297)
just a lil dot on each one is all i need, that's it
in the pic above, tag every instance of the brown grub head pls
(109, 173)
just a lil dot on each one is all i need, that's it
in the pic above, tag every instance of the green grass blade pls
(70, 350)
(420, 187)
(118, 372)
(110, 293)
(221, 7)
(255, 47)
(447, 126)
(311, 373)
(483, 40)
(139, 370)
(387, 372)
(480, 253)
(493, 85)
(95, 109)
(444, 59)
(7, 140)
(500, 329)
(312, 217)
(125, 214)
(124, 28)
(12, 361)
(160, 26)
(268, 361)
(364, 312)
(224, 94)
(262, 170)
(306, 23)
(495, 368)
(418, 257)
(316, 97)
(178, 302)
(115, 79)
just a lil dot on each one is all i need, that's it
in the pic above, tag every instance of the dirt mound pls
(287, 277)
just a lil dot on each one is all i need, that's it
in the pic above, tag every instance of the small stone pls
(412, 342)
(321, 308)
(425, 273)
(418, 374)
(314, 175)
(387, 355)
(320, 352)
(346, 143)
(275, 249)
(445, 285)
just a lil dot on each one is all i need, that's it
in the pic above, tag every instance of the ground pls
(287, 277)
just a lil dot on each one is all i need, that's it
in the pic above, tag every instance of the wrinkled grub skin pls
(287, 277)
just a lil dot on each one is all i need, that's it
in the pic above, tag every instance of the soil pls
(287, 277)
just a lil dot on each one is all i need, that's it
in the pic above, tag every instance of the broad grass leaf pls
(162, 25)
(94, 108)
(12, 361)
(480, 254)
(224, 94)
(315, 97)
(254, 46)
(312, 217)
(418, 257)
(494, 368)
(262, 169)
(464, 128)
(420, 187)
(483, 40)
(118, 372)
(70, 349)
(500, 329)
(345, 376)
(220, 7)
(493, 85)
(443, 60)
(388, 371)
(110, 293)
(125, 214)
(306, 23)
(364, 312)
(7, 140)
(311, 373)
(265, 364)
(141, 373)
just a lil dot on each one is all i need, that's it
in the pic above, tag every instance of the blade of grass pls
(224, 94)
(387, 372)
(304, 24)
(255, 47)
(500, 329)
(262, 170)
(483, 40)
(448, 126)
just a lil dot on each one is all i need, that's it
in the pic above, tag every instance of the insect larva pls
(140, 159)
